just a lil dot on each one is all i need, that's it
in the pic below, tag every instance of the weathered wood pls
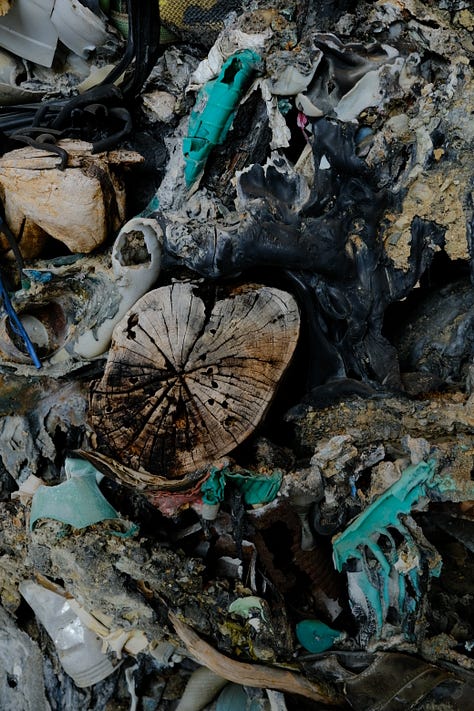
(79, 206)
(186, 381)
(255, 675)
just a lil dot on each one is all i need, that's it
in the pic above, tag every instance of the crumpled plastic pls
(255, 488)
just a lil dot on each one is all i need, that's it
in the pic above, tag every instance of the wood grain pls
(186, 381)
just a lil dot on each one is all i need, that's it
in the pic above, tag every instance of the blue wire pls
(17, 325)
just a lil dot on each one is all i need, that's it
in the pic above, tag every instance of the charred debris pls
(236, 355)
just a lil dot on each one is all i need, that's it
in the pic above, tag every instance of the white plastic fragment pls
(78, 28)
(28, 32)
(277, 700)
(365, 93)
(78, 648)
(281, 133)
(136, 263)
(226, 44)
(291, 81)
(26, 490)
(130, 679)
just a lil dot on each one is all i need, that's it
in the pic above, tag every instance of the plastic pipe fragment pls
(202, 687)
(136, 264)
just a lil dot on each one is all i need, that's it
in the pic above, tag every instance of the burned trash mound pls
(236, 357)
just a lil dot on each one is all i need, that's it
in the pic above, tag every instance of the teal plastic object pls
(244, 606)
(216, 105)
(315, 636)
(362, 535)
(234, 698)
(255, 488)
(77, 501)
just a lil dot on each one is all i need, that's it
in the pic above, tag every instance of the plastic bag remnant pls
(255, 488)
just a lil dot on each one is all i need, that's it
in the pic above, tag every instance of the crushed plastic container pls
(79, 649)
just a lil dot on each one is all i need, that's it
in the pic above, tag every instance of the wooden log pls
(187, 380)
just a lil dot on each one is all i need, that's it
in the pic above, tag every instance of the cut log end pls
(187, 380)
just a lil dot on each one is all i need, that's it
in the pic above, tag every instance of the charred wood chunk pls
(187, 380)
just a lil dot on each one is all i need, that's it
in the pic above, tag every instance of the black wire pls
(142, 51)
(144, 36)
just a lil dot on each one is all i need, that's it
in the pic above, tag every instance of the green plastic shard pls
(243, 606)
(255, 488)
(361, 539)
(315, 636)
(77, 501)
(216, 105)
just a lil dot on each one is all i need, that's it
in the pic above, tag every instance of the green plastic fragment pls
(284, 106)
(315, 636)
(255, 488)
(363, 533)
(243, 606)
(216, 105)
(233, 697)
(77, 502)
